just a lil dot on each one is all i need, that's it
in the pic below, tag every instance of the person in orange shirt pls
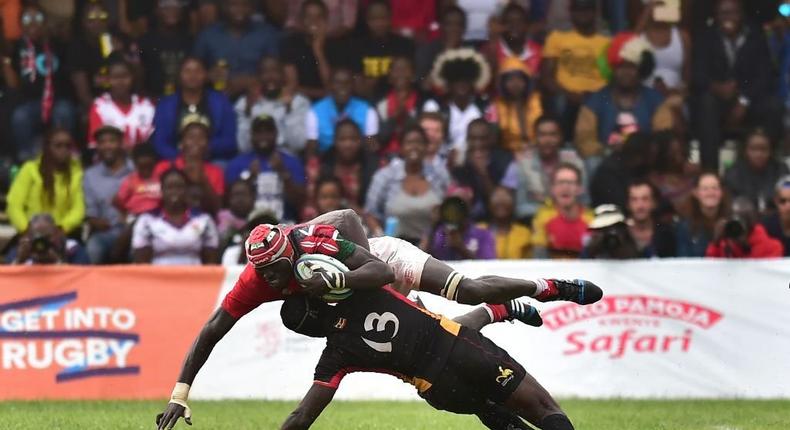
(517, 107)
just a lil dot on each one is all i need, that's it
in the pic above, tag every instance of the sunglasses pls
(30, 18)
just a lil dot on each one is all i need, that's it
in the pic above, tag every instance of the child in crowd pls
(239, 201)
(140, 192)
(398, 106)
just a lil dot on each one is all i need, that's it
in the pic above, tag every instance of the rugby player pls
(452, 365)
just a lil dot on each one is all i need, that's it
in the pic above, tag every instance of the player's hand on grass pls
(169, 418)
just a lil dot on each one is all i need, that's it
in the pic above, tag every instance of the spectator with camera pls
(45, 243)
(100, 185)
(742, 236)
(609, 236)
(778, 224)
(455, 237)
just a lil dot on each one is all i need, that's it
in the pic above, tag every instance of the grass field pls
(241, 415)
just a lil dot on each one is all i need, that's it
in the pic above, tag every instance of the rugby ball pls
(303, 269)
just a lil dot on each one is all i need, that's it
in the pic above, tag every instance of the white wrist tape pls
(180, 396)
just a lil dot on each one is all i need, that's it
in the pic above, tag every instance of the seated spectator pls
(512, 239)
(434, 126)
(329, 195)
(120, 107)
(307, 52)
(742, 236)
(755, 173)
(277, 176)
(517, 107)
(45, 243)
(174, 233)
(514, 43)
(341, 16)
(234, 254)
(652, 231)
(627, 162)
(206, 180)
(672, 174)
(321, 120)
(733, 80)
(140, 191)
(709, 207)
(36, 70)
(452, 25)
(559, 227)
(529, 175)
(233, 47)
(407, 189)
(455, 237)
(239, 201)
(164, 47)
(350, 162)
(671, 46)
(569, 68)
(484, 167)
(100, 185)
(271, 98)
(399, 106)
(51, 183)
(374, 53)
(624, 106)
(460, 74)
(193, 98)
(609, 236)
(778, 224)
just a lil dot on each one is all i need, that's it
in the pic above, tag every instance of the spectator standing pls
(529, 175)
(672, 174)
(609, 115)
(671, 47)
(51, 183)
(206, 180)
(569, 67)
(456, 238)
(36, 68)
(120, 107)
(407, 189)
(399, 106)
(163, 48)
(517, 106)
(733, 80)
(239, 201)
(194, 98)
(513, 240)
(233, 47)
(560, 225)
(653, 236)
(45, 243)
(778, 224)
(479, 14)
(307, 52)
(100, 185)
(278, 177)
(484, 166)
(175, 234)
(374, 53)
(514, 43)
(452, 25)
(342, 16)
(709, 208)
(325, 113)
(743, 236)
(270, 97)
(140, 191)
(755, 173)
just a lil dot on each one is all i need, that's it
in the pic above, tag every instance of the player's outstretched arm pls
(347, 222)
(215, 329)
(311, 406)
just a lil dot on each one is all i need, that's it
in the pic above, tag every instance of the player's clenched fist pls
(322, 282)
(176, 409)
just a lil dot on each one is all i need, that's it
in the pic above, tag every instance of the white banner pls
(665, 329)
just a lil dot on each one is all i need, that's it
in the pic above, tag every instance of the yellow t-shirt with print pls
(577, 68)
(513, 245)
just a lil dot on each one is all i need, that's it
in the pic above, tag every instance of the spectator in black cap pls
(100, 185)
(278, 177)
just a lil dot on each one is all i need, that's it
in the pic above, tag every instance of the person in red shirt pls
(140, 191)
(741, 236)
(207, 181)
(514, 42)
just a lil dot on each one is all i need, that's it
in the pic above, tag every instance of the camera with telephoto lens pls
(41, 244)
(735, 228)
(611, 239)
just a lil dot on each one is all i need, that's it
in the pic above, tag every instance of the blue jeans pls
(27, 126)
(100, 244)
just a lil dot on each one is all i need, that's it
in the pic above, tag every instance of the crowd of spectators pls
(163, 131)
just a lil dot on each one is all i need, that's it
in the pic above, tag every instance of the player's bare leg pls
(533, 403)
(439, 278)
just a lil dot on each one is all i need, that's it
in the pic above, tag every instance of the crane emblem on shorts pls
(505, 375)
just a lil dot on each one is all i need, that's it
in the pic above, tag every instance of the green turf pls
(240, 415)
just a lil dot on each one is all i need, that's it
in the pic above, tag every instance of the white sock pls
(541, 285)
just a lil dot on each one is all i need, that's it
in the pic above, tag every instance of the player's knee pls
(557, 421)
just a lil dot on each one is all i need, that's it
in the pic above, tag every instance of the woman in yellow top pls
(51, 183)
(513, 240)
(517, 106)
